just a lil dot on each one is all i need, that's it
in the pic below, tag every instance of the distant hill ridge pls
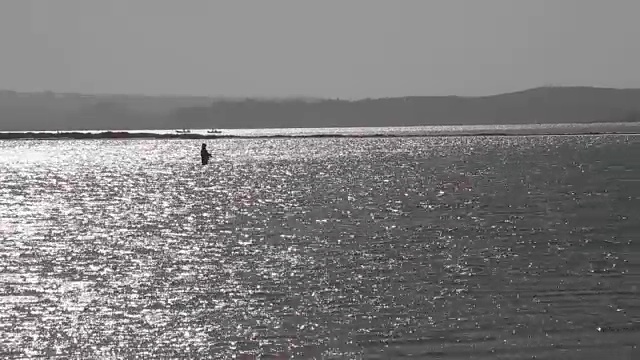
(546, 105)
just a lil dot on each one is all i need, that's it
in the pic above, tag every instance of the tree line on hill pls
(547, 105)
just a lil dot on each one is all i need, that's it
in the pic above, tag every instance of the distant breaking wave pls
(364, 132)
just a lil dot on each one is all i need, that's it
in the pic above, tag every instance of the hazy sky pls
(328, 48)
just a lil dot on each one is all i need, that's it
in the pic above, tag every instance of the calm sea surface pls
(347, 248)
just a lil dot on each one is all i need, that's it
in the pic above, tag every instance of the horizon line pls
(302, 97)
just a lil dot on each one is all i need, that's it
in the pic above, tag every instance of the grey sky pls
(328, 48)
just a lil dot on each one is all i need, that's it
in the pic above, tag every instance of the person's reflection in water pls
(204, 154)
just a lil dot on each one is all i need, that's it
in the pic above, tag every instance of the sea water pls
(329, 248)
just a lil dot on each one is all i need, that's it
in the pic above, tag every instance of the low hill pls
(546, 105)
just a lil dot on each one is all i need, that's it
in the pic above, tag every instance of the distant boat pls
(213, 131)
(183, 131)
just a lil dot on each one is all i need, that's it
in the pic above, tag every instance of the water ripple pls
(484, 247)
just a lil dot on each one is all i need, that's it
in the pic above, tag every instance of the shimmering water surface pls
(459, 247)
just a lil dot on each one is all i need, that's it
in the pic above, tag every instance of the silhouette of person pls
(204, 154)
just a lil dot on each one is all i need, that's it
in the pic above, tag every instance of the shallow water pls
(460, 247)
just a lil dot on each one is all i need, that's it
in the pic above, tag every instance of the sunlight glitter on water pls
(327, 248)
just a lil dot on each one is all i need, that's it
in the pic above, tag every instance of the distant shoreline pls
(127, 135)
(544, 105)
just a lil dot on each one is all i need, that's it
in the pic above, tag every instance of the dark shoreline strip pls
(128, 135)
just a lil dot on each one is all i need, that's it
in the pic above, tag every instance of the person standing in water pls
(204, 154)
